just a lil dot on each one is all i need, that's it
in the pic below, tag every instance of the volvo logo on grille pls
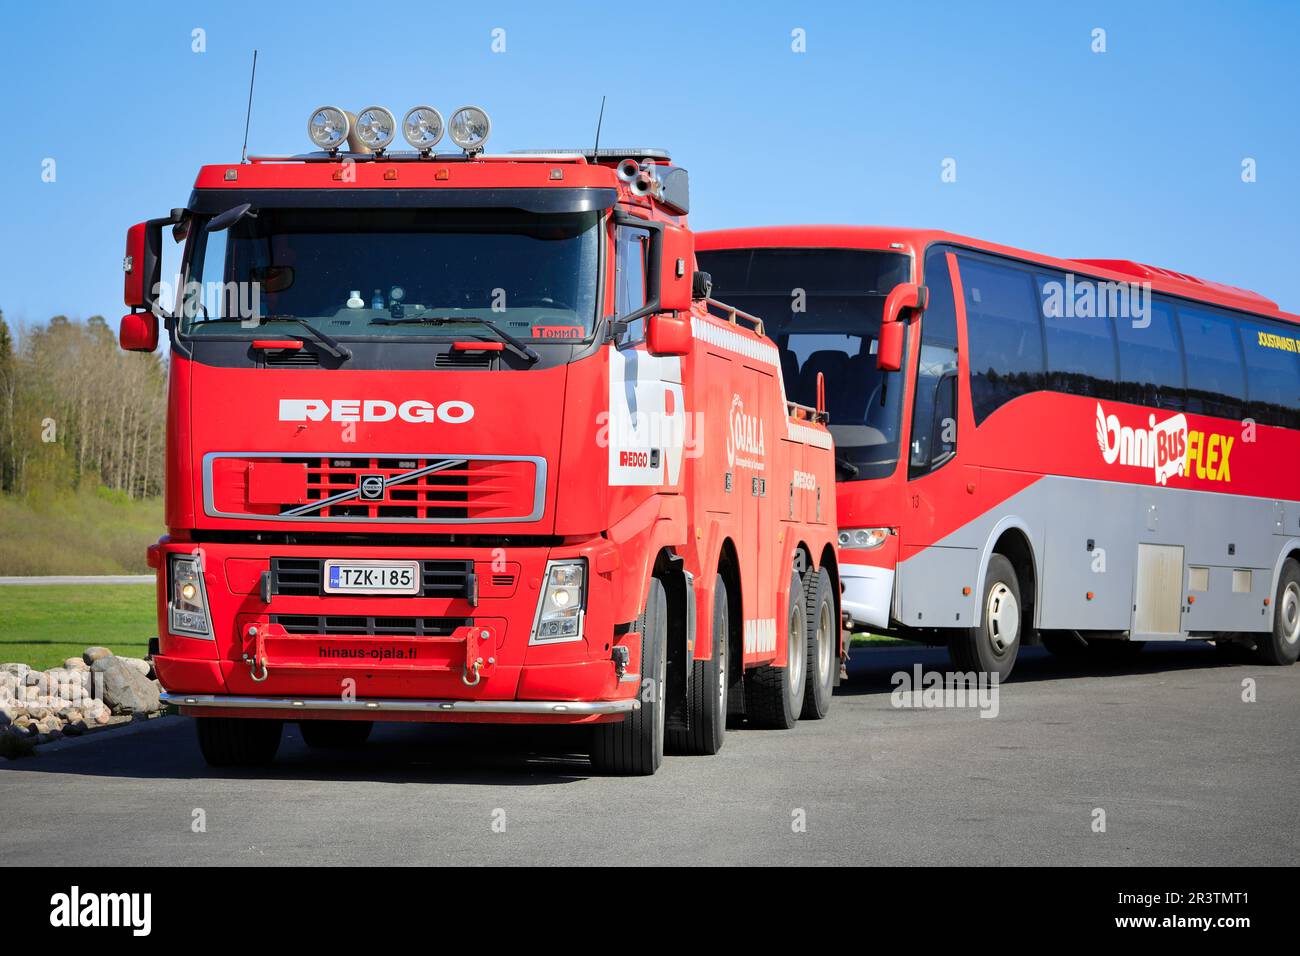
(371, 487)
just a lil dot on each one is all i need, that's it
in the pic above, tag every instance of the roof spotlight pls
(376, 127)
(329, 128)
(422, 126)
(469, 128)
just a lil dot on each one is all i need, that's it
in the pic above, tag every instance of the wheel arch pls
(1012, 539)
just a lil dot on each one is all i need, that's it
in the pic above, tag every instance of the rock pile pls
(37, 706)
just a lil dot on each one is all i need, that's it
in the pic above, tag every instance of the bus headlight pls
(863, 539)
(469, 128)
(187, 608)
(563, 602)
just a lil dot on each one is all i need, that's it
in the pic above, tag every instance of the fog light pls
(329, 127)
(469, 128)
(422, 127)
(376, 127)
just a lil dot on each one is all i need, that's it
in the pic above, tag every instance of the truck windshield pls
(822, 307)
(395, 272)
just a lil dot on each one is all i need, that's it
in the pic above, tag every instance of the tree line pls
(75, 410)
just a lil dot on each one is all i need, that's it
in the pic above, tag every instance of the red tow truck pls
(458, 437)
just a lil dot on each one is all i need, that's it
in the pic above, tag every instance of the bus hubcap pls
(1290, 612)
(1003, 618)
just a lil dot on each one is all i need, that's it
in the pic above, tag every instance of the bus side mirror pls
(668, 335)
(676, 270)
(138, 332)
(889, 351)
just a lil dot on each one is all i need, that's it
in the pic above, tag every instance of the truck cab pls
(460, 437)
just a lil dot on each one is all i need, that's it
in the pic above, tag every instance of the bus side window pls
(1272, 371)
(631, 245)
(934, 404)
(1216, 376)
(1151, 360)
(1080, 348)
(1004, 334)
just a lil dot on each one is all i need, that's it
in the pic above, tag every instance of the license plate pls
(372, 577)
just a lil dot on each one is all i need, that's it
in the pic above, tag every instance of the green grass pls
(867, 639)
(43, 625)
(90, 532)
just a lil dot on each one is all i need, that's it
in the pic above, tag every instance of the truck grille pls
(438, 578)
(453, 489)
(353, 625)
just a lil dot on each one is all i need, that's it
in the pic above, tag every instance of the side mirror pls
(668, 335)
(889, 351)
(142, 265)
(676, 272)
(138, 332)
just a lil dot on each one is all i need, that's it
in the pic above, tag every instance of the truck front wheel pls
(635, 745)
(238, 741)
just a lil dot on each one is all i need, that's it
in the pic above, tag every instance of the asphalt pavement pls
(1162, 750)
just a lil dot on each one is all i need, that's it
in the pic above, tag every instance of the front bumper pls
(868, 594)
(293, 708)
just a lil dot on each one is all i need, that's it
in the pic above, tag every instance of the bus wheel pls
(774, 695)
(819, 616)
(634, 746)
(992, 647)
(238, 741)
(1282, 645)
(706, 705)
(335, 733)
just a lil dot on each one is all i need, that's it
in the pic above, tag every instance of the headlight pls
(469, 128)
(422, 127)
(863, 538)
(376, 127)
(187, 610)
(329, 127)
(562, 605)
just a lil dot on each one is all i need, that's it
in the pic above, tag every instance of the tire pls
(992, 647)
(238, 741)
(634, 746)
(1281, 646)
(774, 695)
(706, 703)
(340, 734)
(820, 625)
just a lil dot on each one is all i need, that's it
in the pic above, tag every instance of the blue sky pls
(1132, 153)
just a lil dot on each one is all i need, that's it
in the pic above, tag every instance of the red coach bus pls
(1090, 454)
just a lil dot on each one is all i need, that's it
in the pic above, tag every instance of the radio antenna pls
(243, 155)
(599, 120)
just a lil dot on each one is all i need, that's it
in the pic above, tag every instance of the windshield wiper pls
(516, 346)
(330, 344)
(846, 466)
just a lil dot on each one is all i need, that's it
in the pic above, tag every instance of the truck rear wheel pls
(819, 611)
(635, 745)
(335, 733)
(1282, 644)
(238, 741)
(706, 704)
(774, 695)
(991, 648)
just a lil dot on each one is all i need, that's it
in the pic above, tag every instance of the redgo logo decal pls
(373, 410)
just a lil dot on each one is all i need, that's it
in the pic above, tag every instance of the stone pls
(17, 670)
(126, 690)
(92, 654)
(138, 663)
(76, 664)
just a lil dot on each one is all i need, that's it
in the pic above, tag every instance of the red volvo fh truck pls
(456, 437)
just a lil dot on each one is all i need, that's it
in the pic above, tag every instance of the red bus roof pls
(914, 242)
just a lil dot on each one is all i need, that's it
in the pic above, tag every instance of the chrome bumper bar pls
(382, 705)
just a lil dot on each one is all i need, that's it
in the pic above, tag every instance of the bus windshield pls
(395, 272)
(822, 307)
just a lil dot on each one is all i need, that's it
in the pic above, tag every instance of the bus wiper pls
(516, 346)
(846, 466)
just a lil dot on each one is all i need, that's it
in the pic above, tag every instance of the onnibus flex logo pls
(1169, 448)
